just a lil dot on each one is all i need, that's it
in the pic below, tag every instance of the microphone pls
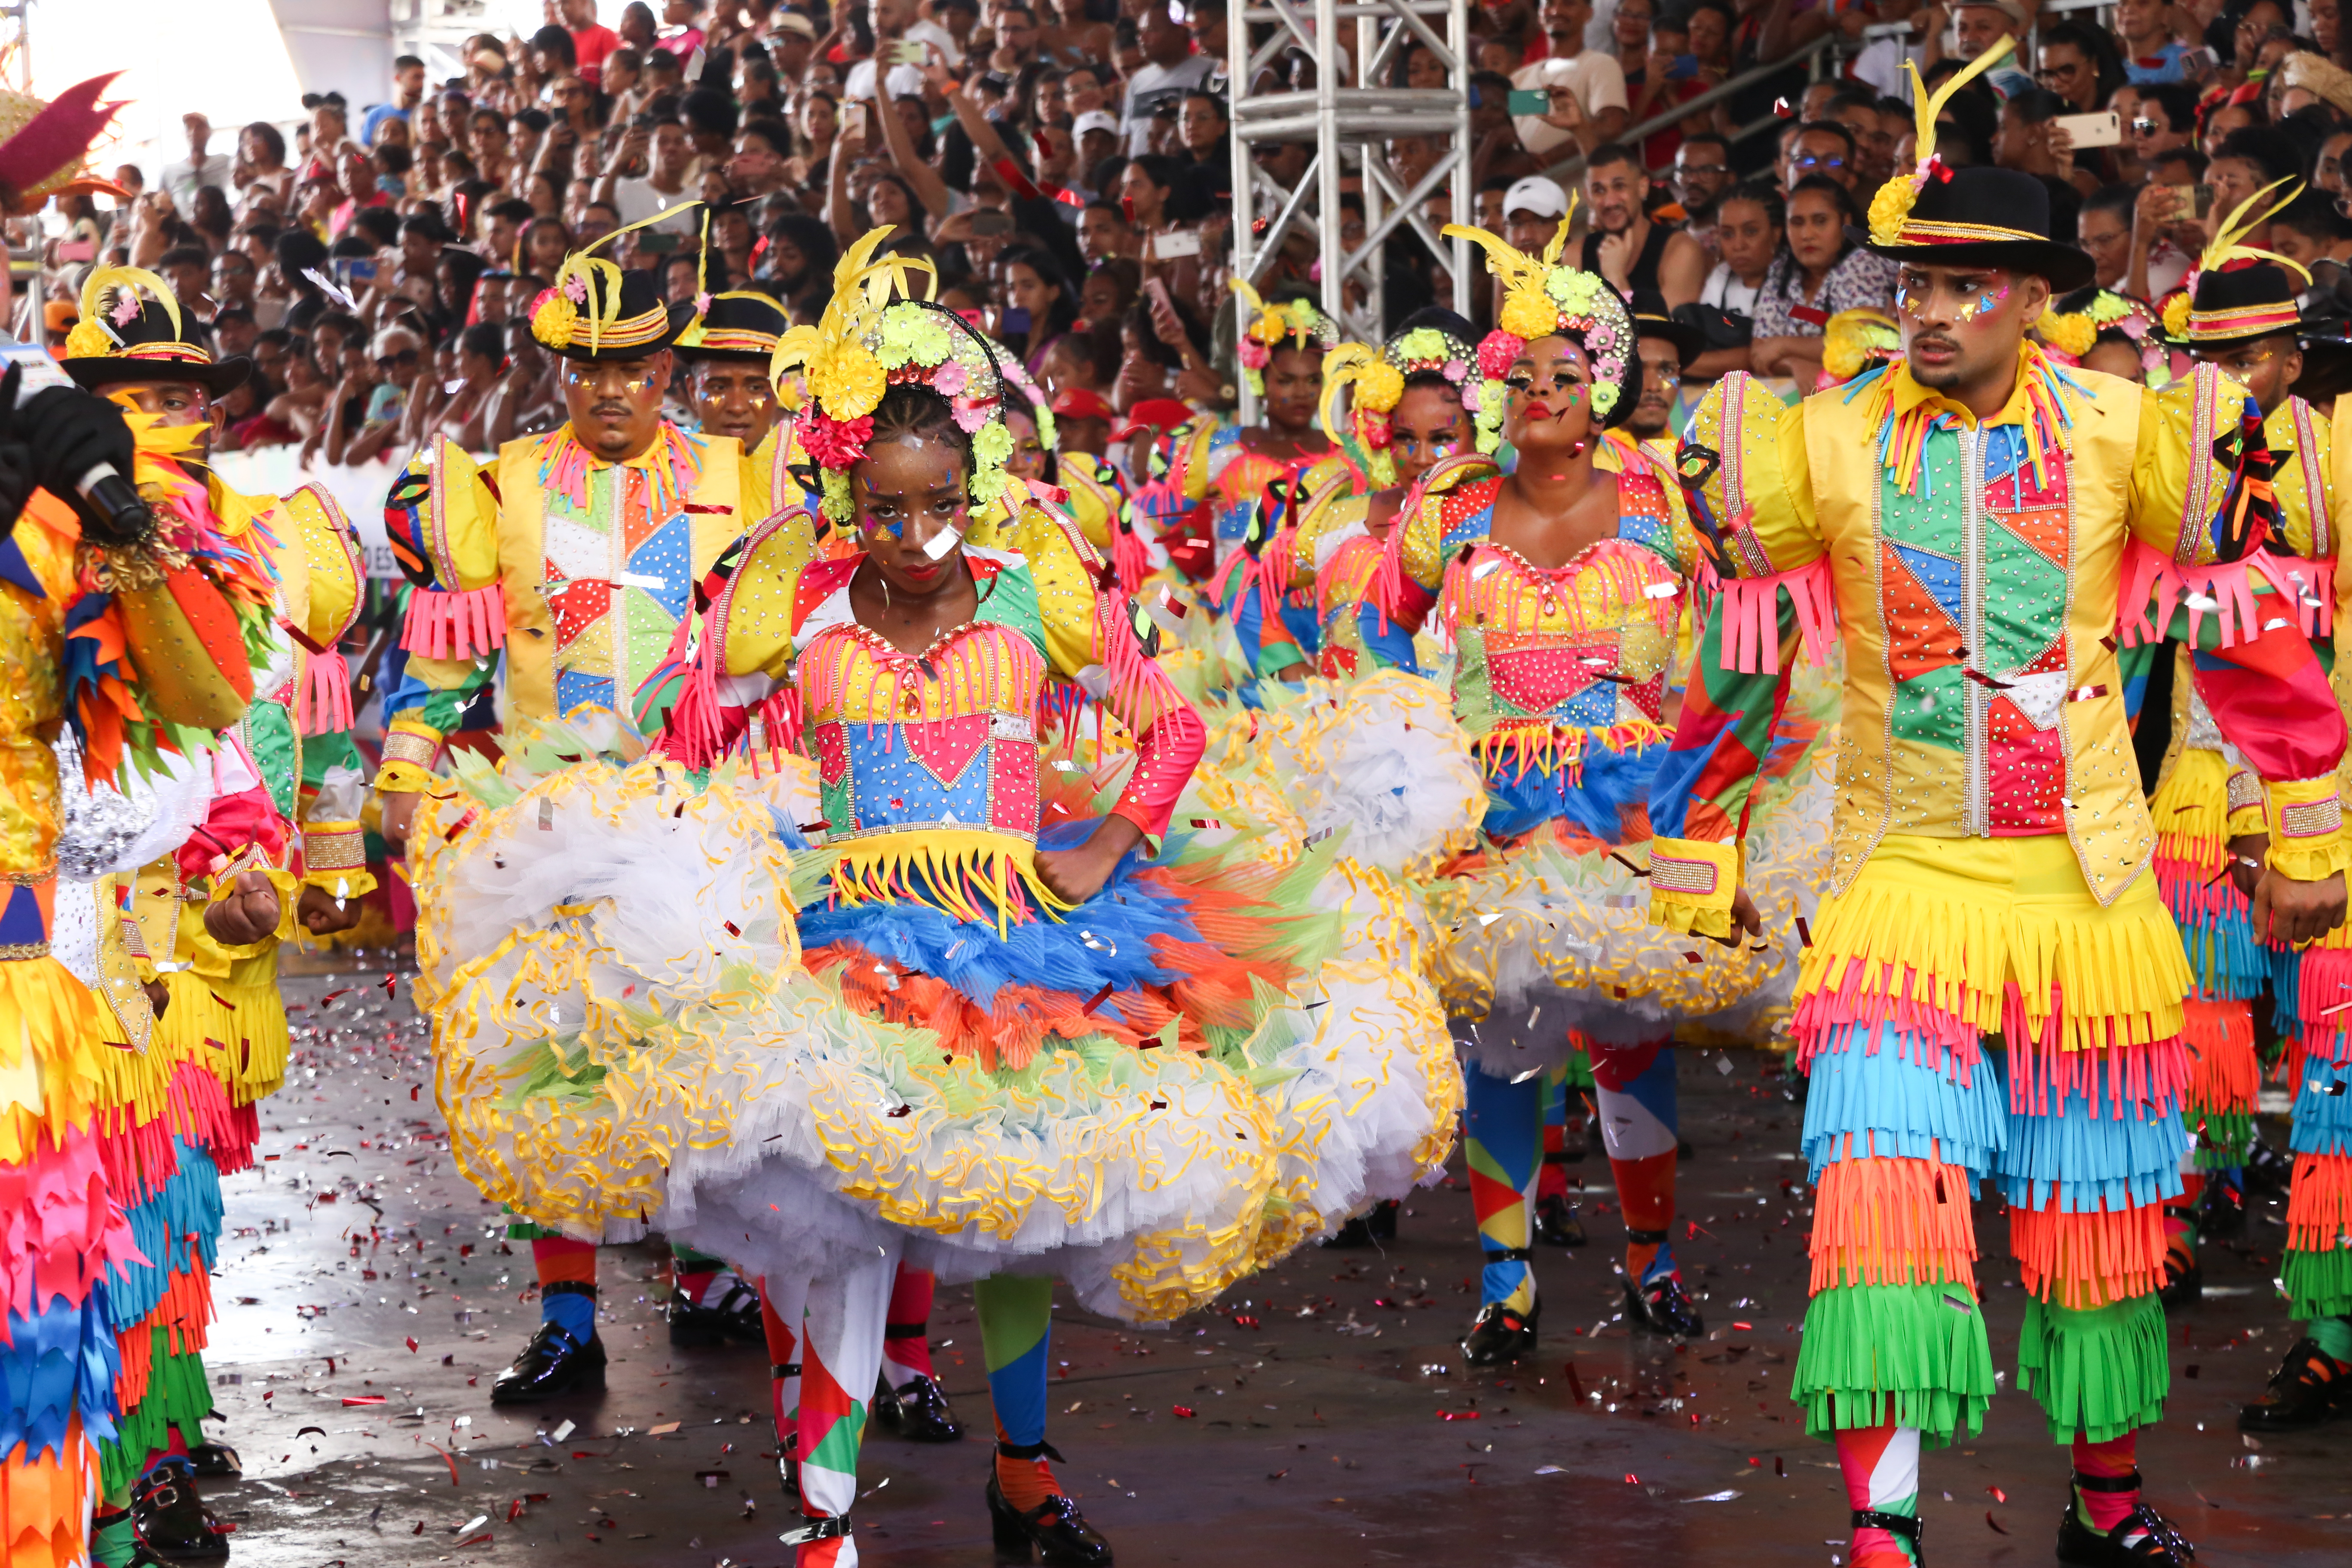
(111, 495)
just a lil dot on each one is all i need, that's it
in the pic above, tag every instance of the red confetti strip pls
(412, 1344)
(447, 1459)
(1994, 1522)
(1458, 1415)
(1184, 1412)
(362, 1399)
(1997, 1494)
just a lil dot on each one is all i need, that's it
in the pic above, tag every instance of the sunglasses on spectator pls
(1820, 161)
(2144, 126)
(404, 357)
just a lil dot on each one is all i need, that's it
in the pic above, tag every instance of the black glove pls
(69, 432)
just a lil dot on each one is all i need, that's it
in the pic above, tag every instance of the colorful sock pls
(1553, 1181)
(1881, 1475)
(841, 1356)
(111, 1542)
(1503, 1149)
(2333, 1337)
(692, 1272)
(1635, 1088)
(906, 1342)
(780, 1314)
(572, 1265)
(2118, 1457)
(1016, 1334)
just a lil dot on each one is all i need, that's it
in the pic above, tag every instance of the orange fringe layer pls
(2320, 1204)
(2223, 1074)
(2085, 1261)
(44, 1502)
(1893, 1221)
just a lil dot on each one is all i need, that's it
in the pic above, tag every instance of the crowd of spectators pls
(1066, 165)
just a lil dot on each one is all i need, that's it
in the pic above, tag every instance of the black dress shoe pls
(733, 1317)
(1382, 1221)
(2146, 1539)
(1055, 1534)
(214, 1462)
(2310, 1389)
(1350, 1237)
(1556, 1222)
(1500, 1335)
(1662, 1307)
(916, 1410)
(171, 1521)
(552, 1366)
(2221, 1212)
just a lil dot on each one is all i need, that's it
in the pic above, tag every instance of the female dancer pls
(995, 1039)
(1560, 586)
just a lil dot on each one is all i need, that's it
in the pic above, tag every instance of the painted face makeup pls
(1984, 304)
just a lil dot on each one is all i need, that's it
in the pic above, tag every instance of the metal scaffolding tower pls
(1346, 118)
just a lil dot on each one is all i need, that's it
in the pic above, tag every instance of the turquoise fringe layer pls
(1911, 1109)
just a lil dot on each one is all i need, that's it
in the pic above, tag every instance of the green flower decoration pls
(1421, 344)
(2108, 307)
(835, 504)
(1047, 437)
(993, 445)
(1559, 283)
(912, 335)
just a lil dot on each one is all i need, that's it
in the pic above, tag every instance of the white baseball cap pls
(1093, 119)
(1536, 195)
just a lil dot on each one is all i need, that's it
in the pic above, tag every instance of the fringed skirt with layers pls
(2229, 967)
(2317, 1268)
(1937, 946)
(1223, 1053)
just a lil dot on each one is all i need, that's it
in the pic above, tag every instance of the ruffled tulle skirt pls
(1225, 1051)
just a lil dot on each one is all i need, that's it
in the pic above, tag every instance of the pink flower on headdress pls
(950, 378)
(1253, 354)
(702, 304)
(1470, 399)
(971, 414)
(1497, 352)
(575, 287)
(2134, 327)
(835, 443)
(126, 309)
(1455, 370)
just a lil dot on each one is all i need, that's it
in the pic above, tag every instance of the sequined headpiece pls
(2102, 312)
(866, 342)
(1542, 298)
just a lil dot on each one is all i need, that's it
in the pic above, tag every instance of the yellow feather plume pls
(107, 281)
(1893, 203)
(589, 266)
(861, 288)
(2228, 244)
(1342, 367)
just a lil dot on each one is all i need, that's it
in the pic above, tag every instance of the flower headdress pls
(1895, 198)
(1265, 326)
(1379, 379)
(2217, 321)
(1543, 299)
(864, 343)
(2074, 333)
(1855, 340)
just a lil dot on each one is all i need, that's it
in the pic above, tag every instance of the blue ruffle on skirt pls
(61, 1362)
(2088, 1155)
(189, 1205)
(1911, 1110)
(1606, 787)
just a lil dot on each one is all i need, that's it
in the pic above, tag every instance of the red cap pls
(1154, 414)
(1080, 402)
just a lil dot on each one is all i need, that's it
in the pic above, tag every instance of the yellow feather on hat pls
(1895, 198)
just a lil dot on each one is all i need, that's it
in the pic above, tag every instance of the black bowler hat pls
(596, 312)
(1936, 216)
(111, 346)
(741, 324)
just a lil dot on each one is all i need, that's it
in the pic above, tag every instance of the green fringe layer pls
(2319, 1284)
(1915, 1354)
(2228, 1138)
(178, 1394)
(2100, 1372)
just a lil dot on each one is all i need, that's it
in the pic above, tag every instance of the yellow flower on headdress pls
(1380, 387)
(2175, 315)
(2073, 333)
(556, 320)
(572, 300)
(848, 382)
(1893, 203)
(1527, 315)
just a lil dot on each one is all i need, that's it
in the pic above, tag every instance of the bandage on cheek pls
(946, 539)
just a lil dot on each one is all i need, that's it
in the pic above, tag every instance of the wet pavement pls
(1320, 1415)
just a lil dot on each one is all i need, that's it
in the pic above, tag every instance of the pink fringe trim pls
(1751, 606)
(442, 625)
(2312, 586)
(1829, 1020)
(2225, 591)
(323, 706)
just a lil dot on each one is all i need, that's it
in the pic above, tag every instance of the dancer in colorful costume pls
(727, 354)
(277, 845)
(1969, 516)
(941, 1055)
(136, 625)
(2238, 312)
(567, 565)
(1559, 587)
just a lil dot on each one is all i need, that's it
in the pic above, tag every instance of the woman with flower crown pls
(889, 982)
(1559, 587)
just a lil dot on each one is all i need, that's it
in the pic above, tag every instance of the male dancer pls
(1969, 511)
